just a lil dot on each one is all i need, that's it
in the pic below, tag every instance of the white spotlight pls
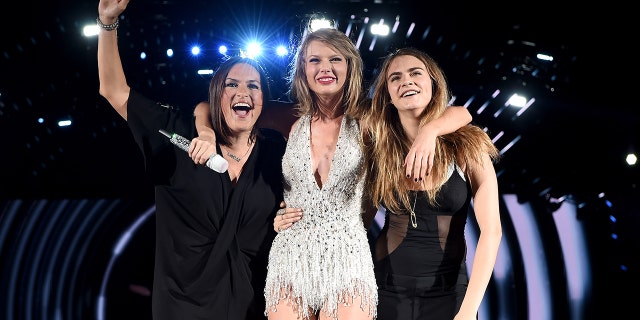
(380, 29)
(316, 24)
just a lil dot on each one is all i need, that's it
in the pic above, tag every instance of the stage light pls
(91, 30)
(544, 57)
(517, 100)
(315, 24)
(253, 50)
(195, 50)
(282, 51)
(222, 49)
(380, 29)
(64, 123)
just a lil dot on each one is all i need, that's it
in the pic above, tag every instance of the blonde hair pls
(387, 143)
(352, 92)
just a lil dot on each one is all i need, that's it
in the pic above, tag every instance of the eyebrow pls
(236, 80)
(400, 72)
(337, 55)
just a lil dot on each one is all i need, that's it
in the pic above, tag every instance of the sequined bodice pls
(342, 192)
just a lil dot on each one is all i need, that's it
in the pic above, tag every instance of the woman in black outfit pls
(420, 255)
(213, 230)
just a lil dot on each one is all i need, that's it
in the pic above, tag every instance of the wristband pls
(108, 27)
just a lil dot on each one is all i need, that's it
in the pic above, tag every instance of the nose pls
(408, 83)
(243, 91)
(325, 66)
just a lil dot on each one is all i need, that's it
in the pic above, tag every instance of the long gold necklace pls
(236, 158)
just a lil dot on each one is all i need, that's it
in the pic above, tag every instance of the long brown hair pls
(388, 142)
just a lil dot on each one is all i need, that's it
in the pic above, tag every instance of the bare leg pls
(287, 310)
(352, 311)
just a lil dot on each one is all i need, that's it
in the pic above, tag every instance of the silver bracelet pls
(108, 27)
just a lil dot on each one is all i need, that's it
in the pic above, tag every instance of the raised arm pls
(204, 145)
(202, 116)
(486, 206)
(113, 84)
(424, 146)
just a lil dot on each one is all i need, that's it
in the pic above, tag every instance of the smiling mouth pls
(410, 93)
(241, 109)
(326, 79)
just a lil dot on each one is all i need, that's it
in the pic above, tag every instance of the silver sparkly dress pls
(324, 259)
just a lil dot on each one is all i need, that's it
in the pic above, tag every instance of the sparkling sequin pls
(324, 259)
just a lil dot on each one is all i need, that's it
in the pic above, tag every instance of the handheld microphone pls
(216, 162)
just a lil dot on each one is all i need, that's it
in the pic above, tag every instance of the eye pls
(394, 78)
(416, 73)
(336, 59)
(253, 86)
(231, 85)
(314, 60)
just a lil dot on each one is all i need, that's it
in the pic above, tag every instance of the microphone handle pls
(216, 162)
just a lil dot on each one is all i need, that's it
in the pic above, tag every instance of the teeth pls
(241, 104)
(326, 79)
(410, 93)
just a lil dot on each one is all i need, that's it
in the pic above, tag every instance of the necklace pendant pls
(414, 220)
(236, 158)
(233, 156)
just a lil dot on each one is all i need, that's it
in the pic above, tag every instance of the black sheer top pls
(437, 245)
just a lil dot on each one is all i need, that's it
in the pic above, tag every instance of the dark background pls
(570, 144)
(573, 138)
